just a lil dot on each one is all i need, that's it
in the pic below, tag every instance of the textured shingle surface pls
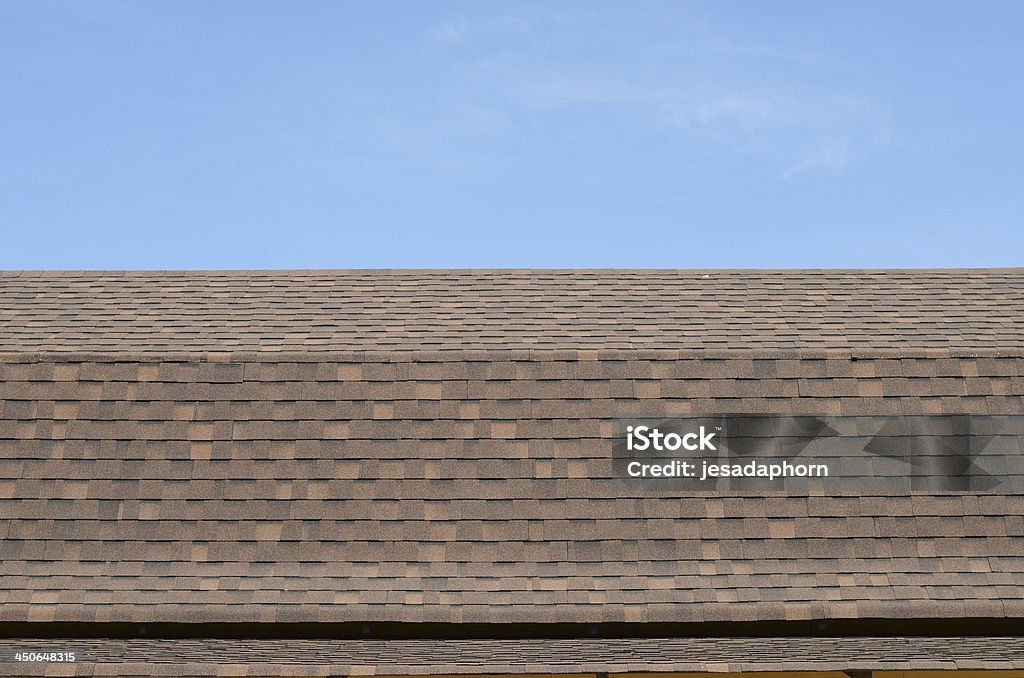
(467, 490)
(164, 458)
(548, 656)
(415, 310)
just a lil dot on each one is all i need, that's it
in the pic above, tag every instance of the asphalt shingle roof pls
(466, 491)
(507, 309)
(435, 446)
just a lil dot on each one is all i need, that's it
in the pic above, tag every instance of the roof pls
(510, 309)
(147, 477)
(294, 657)
(467, 491)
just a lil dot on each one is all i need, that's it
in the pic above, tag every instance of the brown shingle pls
(370, 476)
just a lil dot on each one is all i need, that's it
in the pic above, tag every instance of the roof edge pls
(369, 628)
(13, 273)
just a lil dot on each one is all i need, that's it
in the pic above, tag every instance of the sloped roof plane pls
(434, 447)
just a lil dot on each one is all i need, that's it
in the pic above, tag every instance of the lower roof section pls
(324, 657)
(477, 491)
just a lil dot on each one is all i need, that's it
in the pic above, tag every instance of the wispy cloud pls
(604, 84)
(833, 154)
(676, 107)
(776, 122)
(451, 31)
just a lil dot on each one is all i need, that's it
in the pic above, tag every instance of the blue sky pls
(526, 134)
